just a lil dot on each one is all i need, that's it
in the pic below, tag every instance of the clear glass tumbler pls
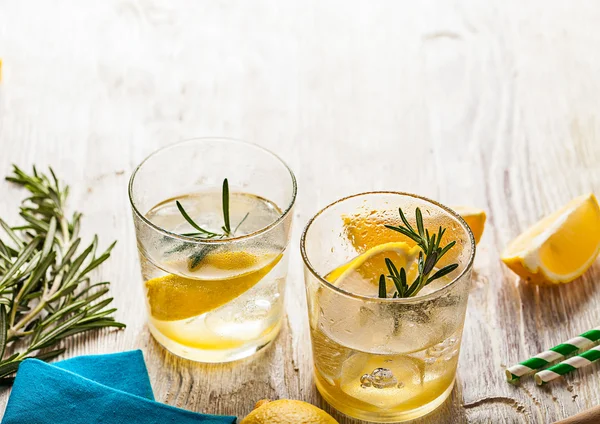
(378, 358)
(212, 219)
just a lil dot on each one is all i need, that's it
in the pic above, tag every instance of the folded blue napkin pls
(107, 389)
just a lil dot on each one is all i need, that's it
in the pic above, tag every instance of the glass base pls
(383, 416)
(214, 355)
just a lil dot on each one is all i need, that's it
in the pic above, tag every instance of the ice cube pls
(364, 330)
(441, 360)
(385, 381)
(249, 315)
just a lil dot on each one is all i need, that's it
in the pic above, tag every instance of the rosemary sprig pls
(202, 233)
(46, 293)
(430, 254)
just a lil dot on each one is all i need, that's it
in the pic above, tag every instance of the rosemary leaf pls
(3, 329)
(394, 275)
(8, 278)
(440, 273)
(225, 195)
(382, 287)
(241, 222)
(11, 233)
(445, 249)
(191, 221)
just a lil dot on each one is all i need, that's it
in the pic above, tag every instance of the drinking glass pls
(213, 294)
(384, 359)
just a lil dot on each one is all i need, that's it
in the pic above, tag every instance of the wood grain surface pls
(491, 104)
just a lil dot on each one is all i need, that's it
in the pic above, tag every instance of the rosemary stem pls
(27, 318)
(16, 334)
(13, 312)
(64, 229)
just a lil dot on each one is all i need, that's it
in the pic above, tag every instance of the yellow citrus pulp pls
(560, 247)
(368, 266)
(285, 411)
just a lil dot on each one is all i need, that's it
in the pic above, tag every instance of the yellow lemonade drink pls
(391, 369)
(382, 352)
(214, 299)
(213, 222)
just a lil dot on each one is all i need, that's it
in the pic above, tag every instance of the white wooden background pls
(492, 104)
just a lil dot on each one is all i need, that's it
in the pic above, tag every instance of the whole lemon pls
(285, 411)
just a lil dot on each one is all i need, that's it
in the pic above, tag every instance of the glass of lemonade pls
(383, 349)
(212, 219)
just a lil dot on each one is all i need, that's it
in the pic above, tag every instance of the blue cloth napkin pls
(107, 389)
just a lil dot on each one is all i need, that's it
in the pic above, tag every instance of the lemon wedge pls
(560, 247)
(172, 297)
(475, 219)
(362, 273)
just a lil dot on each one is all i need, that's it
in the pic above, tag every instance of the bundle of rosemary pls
(46, 293)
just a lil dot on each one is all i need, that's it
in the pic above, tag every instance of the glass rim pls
(408, 300)
(188, 239)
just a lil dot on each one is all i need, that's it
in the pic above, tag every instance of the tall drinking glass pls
(212, 219)
(377, 357)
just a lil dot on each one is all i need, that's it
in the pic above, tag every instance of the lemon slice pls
(173, 297)
(217, 265)
(362, 273)
(475, 219)
(560, 247)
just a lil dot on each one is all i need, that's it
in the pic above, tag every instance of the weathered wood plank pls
(491, 104)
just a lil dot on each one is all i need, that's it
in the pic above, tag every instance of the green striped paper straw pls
(568, 365)
(554, 354)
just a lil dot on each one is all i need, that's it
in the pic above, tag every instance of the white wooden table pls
(492, 104)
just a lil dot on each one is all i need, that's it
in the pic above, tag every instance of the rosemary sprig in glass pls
(430, 254)
(203, 234)
(46, 293)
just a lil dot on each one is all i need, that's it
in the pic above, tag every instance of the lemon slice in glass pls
(361, 274)
(172, 297)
